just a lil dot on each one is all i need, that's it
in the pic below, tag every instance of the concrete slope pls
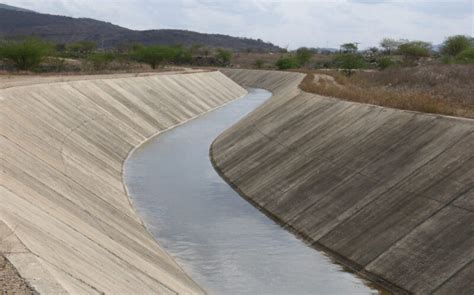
(66, 223)
(387, 192)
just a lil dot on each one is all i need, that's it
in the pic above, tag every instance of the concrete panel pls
(386, 192)
(72, 227)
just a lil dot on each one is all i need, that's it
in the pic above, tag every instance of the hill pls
(9, 7)
(15, 22)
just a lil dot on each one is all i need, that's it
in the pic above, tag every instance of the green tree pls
(349, 62)
(303, 55)
(154, 55)
(385, 62)
(390, 45)
(100, 60)
(181, 55)
(223, 56)
(81, 49)
(466, 56)
(454, 45)
(259, 63)
(349, 48)
(285, 63)
(415, 49)
(26, 54)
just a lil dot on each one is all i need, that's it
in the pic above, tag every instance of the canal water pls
(224, 243)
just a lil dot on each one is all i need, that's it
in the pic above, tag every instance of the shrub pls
(415, 49)
(259, 63)
(81, 49)
(349, 48)
(224, 56)
(100, 60)
(182, 55)
(285, 63)
(390, 45)
(456, 44)
(27, 54)
(349, 62)
(466, 56)
(385, 62)
(303, 55)
(154, 55)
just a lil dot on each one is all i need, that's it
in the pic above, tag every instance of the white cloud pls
(316, 23)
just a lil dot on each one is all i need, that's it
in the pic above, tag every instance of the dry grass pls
(439, 89)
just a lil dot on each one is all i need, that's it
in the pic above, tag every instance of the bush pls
(155, 55)
(349, 61)
(27, 54)
(349, 48)
(80, 49)
(385, 62)
(224, 56)
(415, 49)
(466, 56)
(259, 63)
(454, 45)
(100, 60)
(303, 55)
(285, 63)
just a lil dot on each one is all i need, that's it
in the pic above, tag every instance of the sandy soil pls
(10, 280)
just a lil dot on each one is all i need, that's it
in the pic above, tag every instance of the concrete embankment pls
(66, 223)
(386, 192)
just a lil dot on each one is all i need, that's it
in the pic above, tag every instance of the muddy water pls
(223, 242)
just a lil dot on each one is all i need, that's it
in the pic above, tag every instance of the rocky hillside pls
(60, 29)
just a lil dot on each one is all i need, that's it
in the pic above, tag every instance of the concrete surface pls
(387, 192)
(66, 223)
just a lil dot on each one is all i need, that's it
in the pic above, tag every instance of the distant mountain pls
(4, 6)
(15, 22)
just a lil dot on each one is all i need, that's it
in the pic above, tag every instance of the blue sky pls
(287, 23)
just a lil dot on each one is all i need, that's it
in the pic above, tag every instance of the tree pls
(81, 49)
(390, 45)
(349, 62)
(385, 62)
(349, 48)
(303, 55)
(415, 49)
(466, 56)
(27, 54)
(181, 55)
(154, 55)
(223, 56)
(259, 63)
(285, 63)
(454, 45)
(100, 60)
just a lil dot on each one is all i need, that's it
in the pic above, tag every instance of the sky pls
(287, 23)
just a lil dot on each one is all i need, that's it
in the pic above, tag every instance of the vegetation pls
(100, 60)
(349, 48)
(466, 56)
(259, 63)
(441, 89)
(454, 45)
(303, 55)
(415, 49)
(80, 49)
(27, 54)
(286, 63)
(155, 55)
(350, 62)
(385, 62)
(224, 56)
(390, 45)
